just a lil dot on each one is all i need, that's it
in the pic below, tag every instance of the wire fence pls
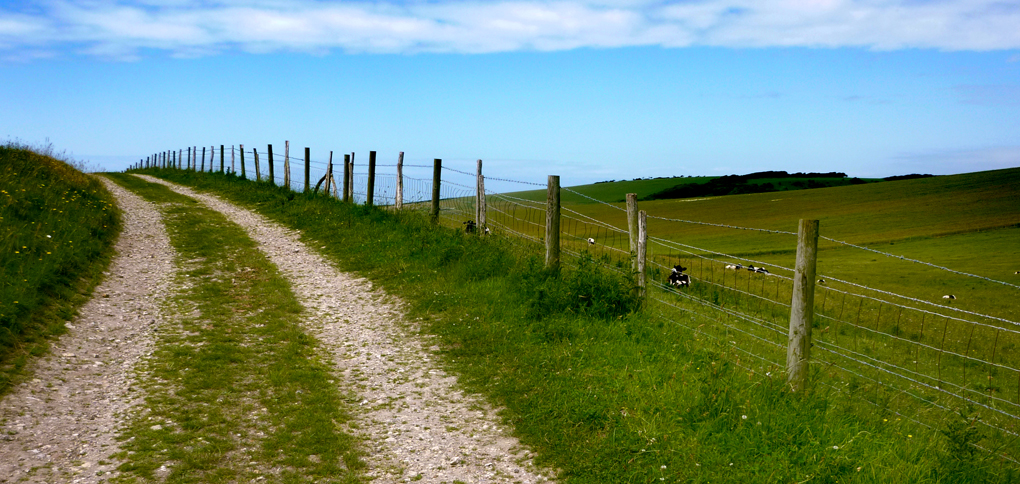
(905, 355)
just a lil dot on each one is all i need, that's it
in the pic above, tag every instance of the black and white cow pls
(678, 279)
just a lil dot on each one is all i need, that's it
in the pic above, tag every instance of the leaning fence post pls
(399, 202)
(272, 177)
(480, 208)
(802, 307)
(371, 179)
(308, 169)
(437, 170)
(642, 253)
(552, 224)
(286, 164)
(243, 173)
(258, 169)
(347, 178)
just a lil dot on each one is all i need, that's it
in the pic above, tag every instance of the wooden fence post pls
(371, 179)
(286, 164)
(350, 186)
(437, 170)
(222, 158)
(212, 158)
(308, 167)
(180, 157)
(329, 174)
(480, 208)
(203, 158)
(194, 159)
(272, 174)
(258, 168)
(399, 202)
(347, 178)
(642, 253)
(632, 229)
(802, 307)
(233, 167)
(552, 224)
(244, 174)
(189, 159)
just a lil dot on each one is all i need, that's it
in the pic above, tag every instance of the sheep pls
(678, 279)
(735, 267)
(591, 241)
(949, 296)
(487, 231)
(761, 270)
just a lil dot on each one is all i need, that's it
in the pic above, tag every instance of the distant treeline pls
(769, 181)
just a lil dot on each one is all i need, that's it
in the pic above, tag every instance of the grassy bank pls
(57, 228)
(236, 391)
(603, 391)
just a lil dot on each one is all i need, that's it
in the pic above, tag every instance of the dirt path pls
(417, 425)
(59, 426)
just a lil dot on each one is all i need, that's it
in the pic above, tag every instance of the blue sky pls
(588, 90)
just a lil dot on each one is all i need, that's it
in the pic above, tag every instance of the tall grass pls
(603, 390)
(57, 227)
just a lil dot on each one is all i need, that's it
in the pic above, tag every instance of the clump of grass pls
(57, 228)
(604, 391)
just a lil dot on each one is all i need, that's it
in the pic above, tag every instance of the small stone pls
(156, 427)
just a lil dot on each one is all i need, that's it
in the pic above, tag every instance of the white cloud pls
(194, 27)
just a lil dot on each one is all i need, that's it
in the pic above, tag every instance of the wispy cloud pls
(121, 29)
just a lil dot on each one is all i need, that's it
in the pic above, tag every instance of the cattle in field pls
(949, 296)
(591, 241)
(678, 279)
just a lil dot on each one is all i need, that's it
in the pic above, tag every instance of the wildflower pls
(835, 447)
(743, 417)
(910, 436)
(662, 467)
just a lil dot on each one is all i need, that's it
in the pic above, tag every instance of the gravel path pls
(59, 426)
(417, 425)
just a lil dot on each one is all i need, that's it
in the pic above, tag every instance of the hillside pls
(57, 227)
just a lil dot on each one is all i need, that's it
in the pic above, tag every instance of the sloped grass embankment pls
(600, 389)
(57, 229)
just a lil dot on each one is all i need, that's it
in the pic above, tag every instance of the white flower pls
(835, 447)
(743, 417)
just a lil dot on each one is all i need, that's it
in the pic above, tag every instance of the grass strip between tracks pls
(235, 390)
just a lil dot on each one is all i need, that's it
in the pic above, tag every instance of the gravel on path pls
(60, 424)
(417, 425)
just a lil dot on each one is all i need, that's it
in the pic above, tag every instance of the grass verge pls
(603, 391)
(236, 391)
(57, 229)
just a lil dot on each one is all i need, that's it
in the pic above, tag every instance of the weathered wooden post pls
(350, 186)
(286, 164)
(552, 224)
(189, 159)
(480, 208)
(802, 307)
(203, 158)
(347, 178)
(308, 168)
(437, 170)
(180, 157)
(329, 174)
(272, 174)
(371, 179)
(399, 202)
(632, 229)
(194, 159)
(222, 158)
(258, 169)
(233, 167)
(243, 173)
(642, 253)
